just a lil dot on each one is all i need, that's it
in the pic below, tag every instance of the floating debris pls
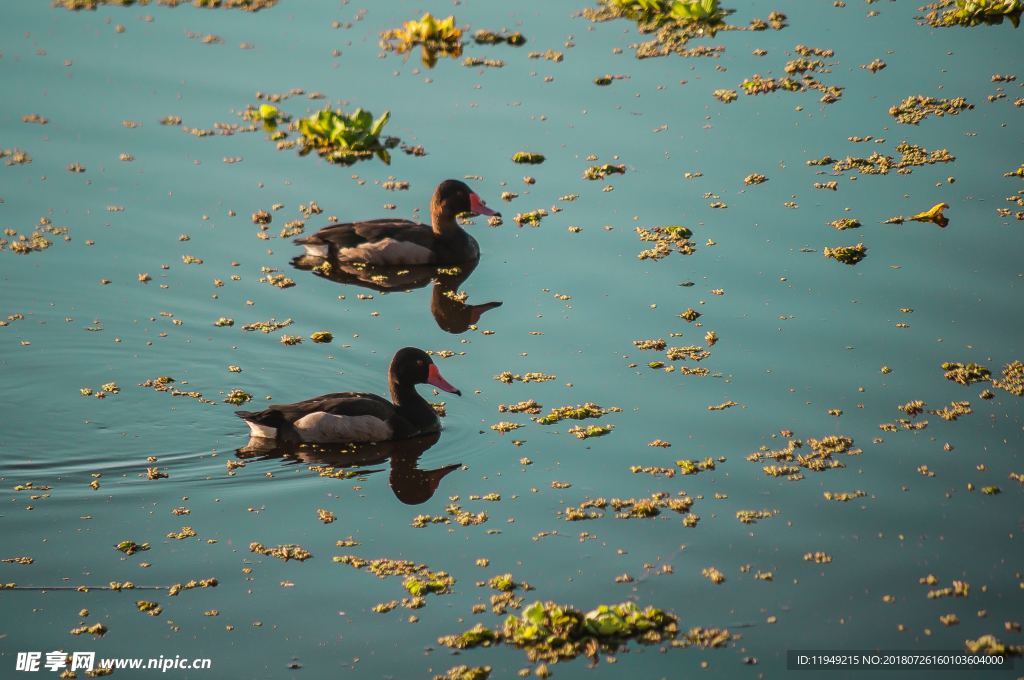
(725, 96)
(485, 37)
(945, 13)
(675, 238)
(1012, 379)
(282, 552)
(267, 326)
(528, 157)
(508, 377)
(966, 374)
(346, 138)
(596, 172)
(847, 254)
(578, 412)
(844, 223)
(465, 673)
(589, 431)
(164, 383)
(435, 37)
(238, 397)
(528, 406)
(916, 108)
(673, 23)
(131, 547)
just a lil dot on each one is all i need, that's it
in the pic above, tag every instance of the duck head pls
(412, 366)
(452, 198)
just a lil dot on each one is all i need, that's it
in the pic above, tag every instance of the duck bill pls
(477, 206)
(434, 378)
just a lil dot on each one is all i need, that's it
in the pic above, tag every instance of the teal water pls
(799, 334)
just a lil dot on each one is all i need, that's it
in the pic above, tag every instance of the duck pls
(345, 417)
(394, 242)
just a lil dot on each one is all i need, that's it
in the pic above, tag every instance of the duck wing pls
(337, 417)
(384, 242)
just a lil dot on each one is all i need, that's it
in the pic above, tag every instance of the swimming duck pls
(357, 416)
(403, 242)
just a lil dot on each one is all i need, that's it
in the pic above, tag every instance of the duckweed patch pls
(465, 673)
(945, 13)
(630, 508)
(285, 552)
(508, 377)
(915, 108)
(1012, 379)
(589, 431)
(672, 24)
(795, 460)
(667, 240)
(550, 633)
(847, 254)
(578, 412)
(528, 157)
(965, 374)
(596, 172)
(435, 37)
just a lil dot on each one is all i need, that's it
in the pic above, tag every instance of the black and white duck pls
(394, 242)
(358, 416)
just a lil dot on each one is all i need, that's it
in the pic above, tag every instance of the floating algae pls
(595, 172)
(550, 633)
(465, 673)
(819, 459)
(675, 238)
(435, 37)
(965, 374)
(589, 431)
(1012, 380)
(945, 13)
(528, 157)
(916, 108)
(674, 23)
(847, 254)
(578, 412)
(283, 552)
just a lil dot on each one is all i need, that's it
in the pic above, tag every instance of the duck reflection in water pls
(410, 484)
(448, 305)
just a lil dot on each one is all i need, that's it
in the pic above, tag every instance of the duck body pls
(390, 242)
(338, 417)
(343, 417)
(393, 242)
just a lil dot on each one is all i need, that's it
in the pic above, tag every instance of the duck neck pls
(443, 224)
(411, 404)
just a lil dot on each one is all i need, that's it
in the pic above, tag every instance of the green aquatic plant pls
(528, 157)
(973, 12)
(965, 374)
(673, 23)
(706, 11)
(346, 137)
(847, 254)
(434, 36)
